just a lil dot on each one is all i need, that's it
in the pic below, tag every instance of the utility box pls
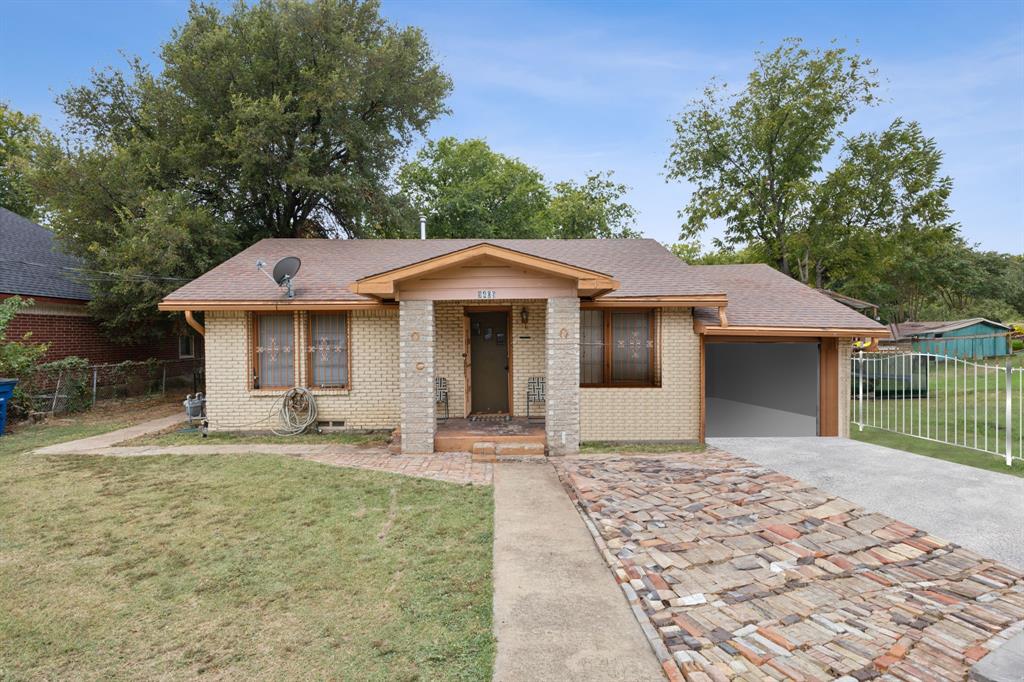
(6, 392)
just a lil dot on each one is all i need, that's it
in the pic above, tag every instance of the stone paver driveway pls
(738, 572)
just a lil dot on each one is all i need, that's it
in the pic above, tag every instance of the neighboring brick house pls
(32, 267)
(633, 344)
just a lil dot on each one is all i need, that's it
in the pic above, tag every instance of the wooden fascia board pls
(383, 284)
(735, 330)
(272, 306)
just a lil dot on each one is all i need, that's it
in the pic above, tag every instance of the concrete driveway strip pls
(558, 613)
(980, 510)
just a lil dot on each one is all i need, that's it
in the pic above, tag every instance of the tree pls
(22, 139)
(753, 155)
(692, 253)
(595, 208)
(885, 184)
(467, 190)
(279, 119)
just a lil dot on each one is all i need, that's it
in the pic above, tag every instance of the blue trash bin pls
(6, 391)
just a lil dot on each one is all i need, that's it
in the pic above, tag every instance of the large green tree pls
(22, 140)
(753, 155)
(468, 190)
(277, 119)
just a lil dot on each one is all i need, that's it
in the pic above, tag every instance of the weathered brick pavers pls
(737, 572)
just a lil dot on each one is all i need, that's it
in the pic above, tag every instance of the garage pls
(769, 388)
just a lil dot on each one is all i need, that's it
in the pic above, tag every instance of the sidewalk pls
(558, 614)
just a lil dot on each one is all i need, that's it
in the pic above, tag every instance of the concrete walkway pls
(558, 613)
(111, 438)
(981, 510)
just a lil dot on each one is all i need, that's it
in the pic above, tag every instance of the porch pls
(512, 436)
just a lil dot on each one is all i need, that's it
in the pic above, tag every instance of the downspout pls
(192, 322)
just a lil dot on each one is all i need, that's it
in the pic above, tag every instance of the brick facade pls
(562, 331)
(670, 412)
(68, 331)
(370, 402)
(416, 376)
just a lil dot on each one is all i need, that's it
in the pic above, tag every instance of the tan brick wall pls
(845, 351)
(669, 412)
(371, 402)
(527, 349)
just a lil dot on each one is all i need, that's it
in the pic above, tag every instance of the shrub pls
(18, 359)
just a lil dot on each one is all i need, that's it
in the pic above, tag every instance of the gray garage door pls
(761, 389)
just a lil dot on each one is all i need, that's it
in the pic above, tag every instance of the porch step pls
(484, 451)
(519, 450)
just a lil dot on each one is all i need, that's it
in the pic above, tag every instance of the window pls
(273, 351)
(617, 348)
(186, 346)
(328, 350)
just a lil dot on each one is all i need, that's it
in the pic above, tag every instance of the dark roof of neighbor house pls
(761, 296)
(31, 263)
(907, 330)
(757, 294)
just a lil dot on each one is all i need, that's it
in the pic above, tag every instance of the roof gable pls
(385, 284)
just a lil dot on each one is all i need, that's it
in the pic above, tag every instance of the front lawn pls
(949, 453)
(240, 567)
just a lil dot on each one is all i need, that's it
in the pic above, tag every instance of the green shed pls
(974, 338)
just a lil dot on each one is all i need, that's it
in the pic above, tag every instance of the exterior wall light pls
(524, 315)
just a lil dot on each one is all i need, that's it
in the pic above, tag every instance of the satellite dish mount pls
(284, 272)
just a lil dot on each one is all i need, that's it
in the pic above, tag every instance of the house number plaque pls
(486, 294)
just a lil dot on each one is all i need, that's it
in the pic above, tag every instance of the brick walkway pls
(737, 572)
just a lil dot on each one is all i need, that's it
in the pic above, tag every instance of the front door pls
(488, 362)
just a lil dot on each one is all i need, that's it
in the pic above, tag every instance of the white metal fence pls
(943, 399)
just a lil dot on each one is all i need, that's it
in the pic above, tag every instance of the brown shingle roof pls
(760, 296)
(757, 294)
(643, 266)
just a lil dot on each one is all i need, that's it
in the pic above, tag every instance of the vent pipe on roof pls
(423, 226)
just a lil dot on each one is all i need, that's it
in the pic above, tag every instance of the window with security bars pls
(328, 350)
(618, 348)
(273, 350)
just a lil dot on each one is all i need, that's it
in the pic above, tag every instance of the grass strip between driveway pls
(240, 566)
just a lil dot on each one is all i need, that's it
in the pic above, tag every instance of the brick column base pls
(416, 376)
(562, 360)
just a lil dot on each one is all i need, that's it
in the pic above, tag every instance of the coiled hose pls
(298, 412)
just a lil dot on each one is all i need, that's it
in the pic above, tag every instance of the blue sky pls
(571, 87)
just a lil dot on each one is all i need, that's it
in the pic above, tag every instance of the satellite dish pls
(286, 269)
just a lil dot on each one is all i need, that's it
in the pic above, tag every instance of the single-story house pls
(972, 338)
(33, 267)
(632, 344)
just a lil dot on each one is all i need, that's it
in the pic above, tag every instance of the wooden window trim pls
(348, 354)
(609, 345)
(254, 361)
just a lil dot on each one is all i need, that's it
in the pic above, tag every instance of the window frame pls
(254, 333)
(609, 348)
(348, 352)
(192, 346)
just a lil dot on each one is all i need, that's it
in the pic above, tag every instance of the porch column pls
(562, 345)
(416, 376)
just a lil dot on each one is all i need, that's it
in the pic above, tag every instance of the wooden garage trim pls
(828, 387)
(828, 377)
(702, 327)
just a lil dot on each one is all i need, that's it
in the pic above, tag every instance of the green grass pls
(240, 567)
(949, 453)
(603, 447)
(941, 413)
(106, 416)
(178, 436)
